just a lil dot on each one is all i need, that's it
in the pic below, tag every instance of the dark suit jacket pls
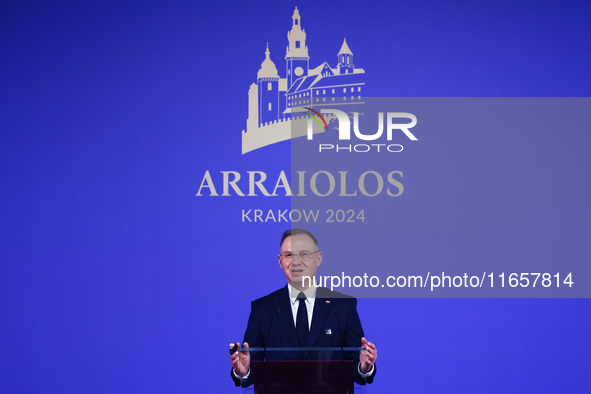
(271, 325)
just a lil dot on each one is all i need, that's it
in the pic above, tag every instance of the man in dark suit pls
(302, 315)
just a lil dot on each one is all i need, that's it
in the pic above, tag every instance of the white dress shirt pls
(295, 304)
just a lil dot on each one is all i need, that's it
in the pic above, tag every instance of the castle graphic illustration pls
(277, 106)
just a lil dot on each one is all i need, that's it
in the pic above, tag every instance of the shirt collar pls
(310, 293)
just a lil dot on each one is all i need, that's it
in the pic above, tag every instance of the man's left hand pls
(367, 358)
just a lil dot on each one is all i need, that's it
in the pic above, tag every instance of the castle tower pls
(268, 90)
(296, 56)
(345, 59)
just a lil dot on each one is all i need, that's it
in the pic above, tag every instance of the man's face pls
(296, 267)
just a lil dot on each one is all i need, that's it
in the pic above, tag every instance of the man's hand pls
(367, 358)
(241, 360)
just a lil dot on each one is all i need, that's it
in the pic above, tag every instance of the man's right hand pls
(241, 360)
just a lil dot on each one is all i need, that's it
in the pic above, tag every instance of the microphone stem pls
(342, 351)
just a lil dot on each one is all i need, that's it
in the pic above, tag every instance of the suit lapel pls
(285, 315)
(322, 310)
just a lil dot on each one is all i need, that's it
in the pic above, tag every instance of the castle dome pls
(345, 49)
(268, 69)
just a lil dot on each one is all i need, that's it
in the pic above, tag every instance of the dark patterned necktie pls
(302, 320)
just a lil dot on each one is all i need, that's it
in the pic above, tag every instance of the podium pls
(316, 376)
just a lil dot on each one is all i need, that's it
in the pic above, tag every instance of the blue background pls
(116, 278)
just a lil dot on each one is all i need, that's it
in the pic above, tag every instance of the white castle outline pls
(276, 105)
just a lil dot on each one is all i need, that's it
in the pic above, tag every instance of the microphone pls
(342, 351)
(269, 332)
